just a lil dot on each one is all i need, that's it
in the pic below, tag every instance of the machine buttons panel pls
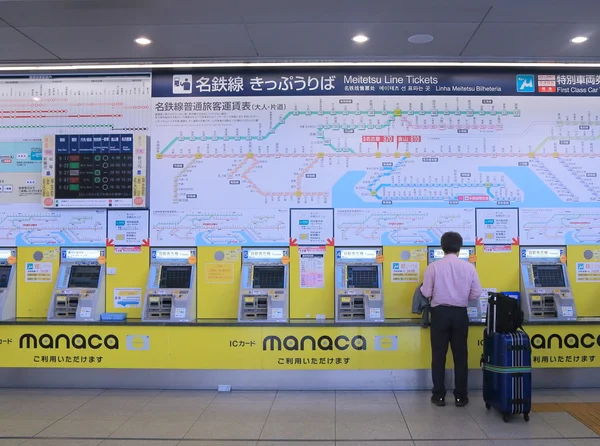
(264, 291)
(79, 291)
(170, 294)
(359, 296)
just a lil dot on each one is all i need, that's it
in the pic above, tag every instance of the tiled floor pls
(35, 417)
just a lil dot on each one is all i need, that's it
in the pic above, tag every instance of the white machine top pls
(5, 254)
(366, 254)
(81, 254)
(270, 254)
(438, 253)
(542, 253)
(172, 254)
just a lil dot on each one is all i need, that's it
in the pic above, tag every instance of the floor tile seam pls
(286, 440)
(62, 418)
(199, 416)
(484, 432)
(133, 415)
(262, 429)
(403, 417)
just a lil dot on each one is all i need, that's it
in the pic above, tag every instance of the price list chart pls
(104, 170)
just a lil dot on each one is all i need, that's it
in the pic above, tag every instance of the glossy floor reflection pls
(193, 418)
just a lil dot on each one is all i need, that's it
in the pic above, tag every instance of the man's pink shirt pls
(451, 281)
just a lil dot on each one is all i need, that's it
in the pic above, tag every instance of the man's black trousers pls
(449, 326)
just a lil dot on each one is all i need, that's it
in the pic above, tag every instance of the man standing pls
(450, 283)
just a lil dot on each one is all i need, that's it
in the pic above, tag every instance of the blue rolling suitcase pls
(506, 364)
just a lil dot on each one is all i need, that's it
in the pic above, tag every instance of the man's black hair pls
(451, 242)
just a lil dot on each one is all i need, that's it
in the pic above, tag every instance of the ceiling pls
(50, 31)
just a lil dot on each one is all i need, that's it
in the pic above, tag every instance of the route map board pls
(33, 226)
(248, 227)
(32, 107)
(388, 145)
(91, 171)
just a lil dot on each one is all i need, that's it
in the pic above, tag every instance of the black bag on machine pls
(506, 311)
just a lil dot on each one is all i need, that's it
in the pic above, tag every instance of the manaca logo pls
(78, 341)
(292, 343)
(570, 340)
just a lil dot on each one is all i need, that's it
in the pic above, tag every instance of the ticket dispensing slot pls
(477, 309)
(171, 290)
(545, 289)
(79, 291)
(264, 291)
(8, 303)
(358, 285)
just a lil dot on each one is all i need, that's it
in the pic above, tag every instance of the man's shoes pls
(438, 401)
(461, 402)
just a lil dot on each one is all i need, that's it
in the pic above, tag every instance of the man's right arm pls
(475, 287)
(428, 279)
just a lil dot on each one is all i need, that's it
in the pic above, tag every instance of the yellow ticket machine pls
(358, 285)
(171, 289)
(477, 309)
(264, 290)
(545, 289)
(79, 291)
(8, 295)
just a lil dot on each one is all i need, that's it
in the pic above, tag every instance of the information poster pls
(312, 226)
(588, 272)
(312, 267)
(405, 272)
(497, 226)
(219, 273)
(128, 297)
(38, 272)
(127, 228)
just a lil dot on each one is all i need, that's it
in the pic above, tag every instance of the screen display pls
(548, 276)
(358, 254)
(4, 275)
(552, 253)
(464, 253)
(175, 277)
(268, 277)
(88, 254)
(272, 254)
(176, 254)
(94, 166)
(362, 277)
(84, 276)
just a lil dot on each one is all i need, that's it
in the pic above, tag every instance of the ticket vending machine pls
(264, 290)
(8, 296)
(545, 289)
(171, 290)
(477, 309)
(358, 285)
(79, 291)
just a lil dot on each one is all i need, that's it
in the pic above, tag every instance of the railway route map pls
(35, 226)
(557, 226)
(248, 142)
(250, 227)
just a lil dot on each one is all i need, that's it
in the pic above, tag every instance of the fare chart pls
(401, 159)
(33, 107)
(90, 171)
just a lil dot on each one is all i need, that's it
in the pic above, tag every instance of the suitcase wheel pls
(526, 416)
(506, 417)
(488, 406)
